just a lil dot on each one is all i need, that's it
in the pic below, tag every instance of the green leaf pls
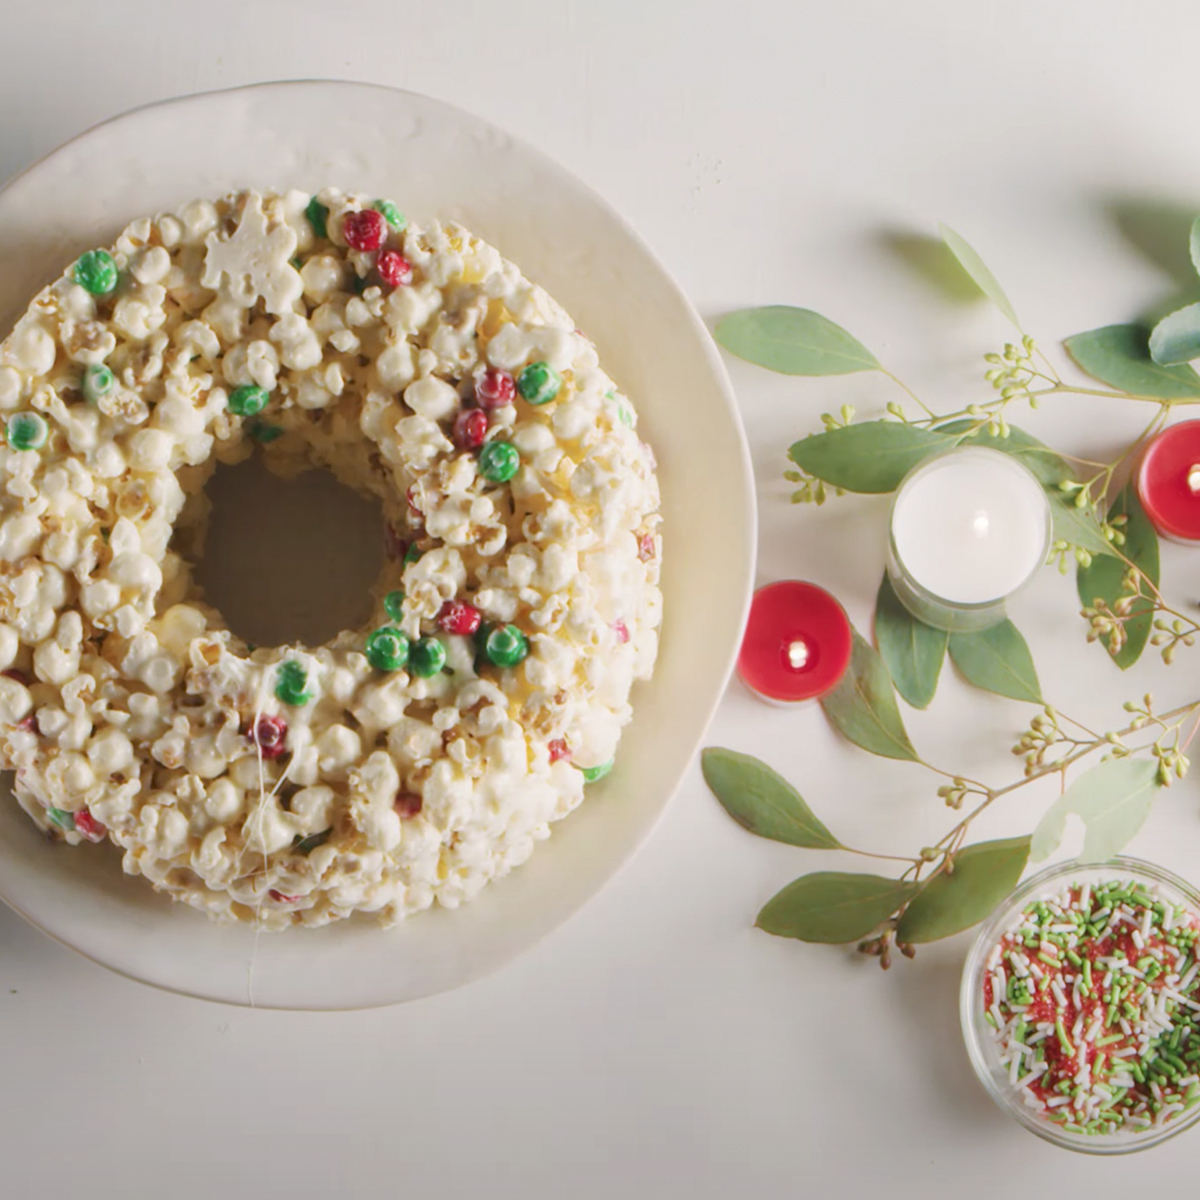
(1076, 525)
(912, 650)
(873, 456)
(951, 902)
(1047, 465)
(762, 801)
(1102, 579)
(997, 660)
(1194, 244)
(833, 906)
(863, 705)
(978, 271)
(1176, 338)
(1119, 355)
(793, 341)
(1114, 800)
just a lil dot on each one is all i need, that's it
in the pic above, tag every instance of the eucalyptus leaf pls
(833, 906)
(793, 341)
(1114, 799)
(1176, 338)
(762, 801)
(1047, 465)
(873, 456)
(1119, 355)
(1194, 244)
(1076, 525)
(912, 650)
(953, 901)
(997, 660)
(1102, 579)
(863, 706)
(979, 272)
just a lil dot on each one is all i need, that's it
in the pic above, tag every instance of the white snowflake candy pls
(255, 261)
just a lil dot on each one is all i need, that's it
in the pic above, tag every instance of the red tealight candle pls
(797, 643)
(1168, 481)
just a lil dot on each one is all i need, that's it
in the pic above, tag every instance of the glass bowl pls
(978, 1033)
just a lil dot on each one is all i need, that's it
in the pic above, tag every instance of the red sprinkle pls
(29, 724)
(457, 616)
(558, 750)
(364, 230)
(394, 269)
(470, 428)
(408, 804)
(282, 897)
(646, 547)
(270, 736)
(412, 503)
(622, 631)
(86, 824)
(494, 389)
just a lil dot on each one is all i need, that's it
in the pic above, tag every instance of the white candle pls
(968, 529)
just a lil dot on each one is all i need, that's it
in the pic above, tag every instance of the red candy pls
(28, 724)
(414, 508)
(270, 736)
(646, 547)
(394, 269)
(494, 389)
(457, 616)
(86, 824)
(558, 750)
(470, 428)
(408, 804)
(622, 631)
(364, 230)
(282, 897)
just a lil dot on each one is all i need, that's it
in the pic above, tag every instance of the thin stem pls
(905, 388)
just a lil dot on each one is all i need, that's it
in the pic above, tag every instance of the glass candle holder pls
(797, 643)
(992, 1051)
(1168, 482)
(968, 530)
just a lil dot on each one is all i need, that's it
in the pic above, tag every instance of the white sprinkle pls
(1019, 965)
(1126, 1028)
(1077, 1028)
(1036, 971)
(1147, 917)
(1058, 1101)
(1138, 940)
(1189, 978)
(1085, 896)
(1039, 1036)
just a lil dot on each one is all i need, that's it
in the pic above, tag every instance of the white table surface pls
(658, 1045)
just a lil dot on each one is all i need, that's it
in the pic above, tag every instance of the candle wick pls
(1193, 478)
(797, 654)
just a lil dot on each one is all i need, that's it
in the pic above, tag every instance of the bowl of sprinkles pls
(1080, 1005)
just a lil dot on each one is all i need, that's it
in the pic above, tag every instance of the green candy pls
(98, 381)
(262, 432)
(591, 774)
(393, 605)
(27, 431)
(391, 214)
(317, 214)
(506, 646)
(64, 820)
(291, 684)
(96, 272)
(539, 383)
(426, 657)
(412, 553)
(499, 461)
(249, 400)
(387, 649)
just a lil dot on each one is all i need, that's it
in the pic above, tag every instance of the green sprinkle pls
(391, 214)
(262, 431)
(506, 646)
(317, 214)
(426, 657)
(591, 774)
(393, 605)
(64, 820)
(412, 553)
(387, 649)
(248, 400)
(27, 431)
(538, 383)
(1074, 959)
(499, 461)
(291, 684)
(626, 416)
(96, 272)
(98, 380)
(306, 845)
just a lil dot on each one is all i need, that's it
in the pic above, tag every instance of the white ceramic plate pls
(434, 160)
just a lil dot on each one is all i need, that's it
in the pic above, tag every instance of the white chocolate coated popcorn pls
(297, 785)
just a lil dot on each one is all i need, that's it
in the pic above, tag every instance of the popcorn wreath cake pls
(406, 762)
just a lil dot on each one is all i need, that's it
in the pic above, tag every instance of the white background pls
(659, 1045)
